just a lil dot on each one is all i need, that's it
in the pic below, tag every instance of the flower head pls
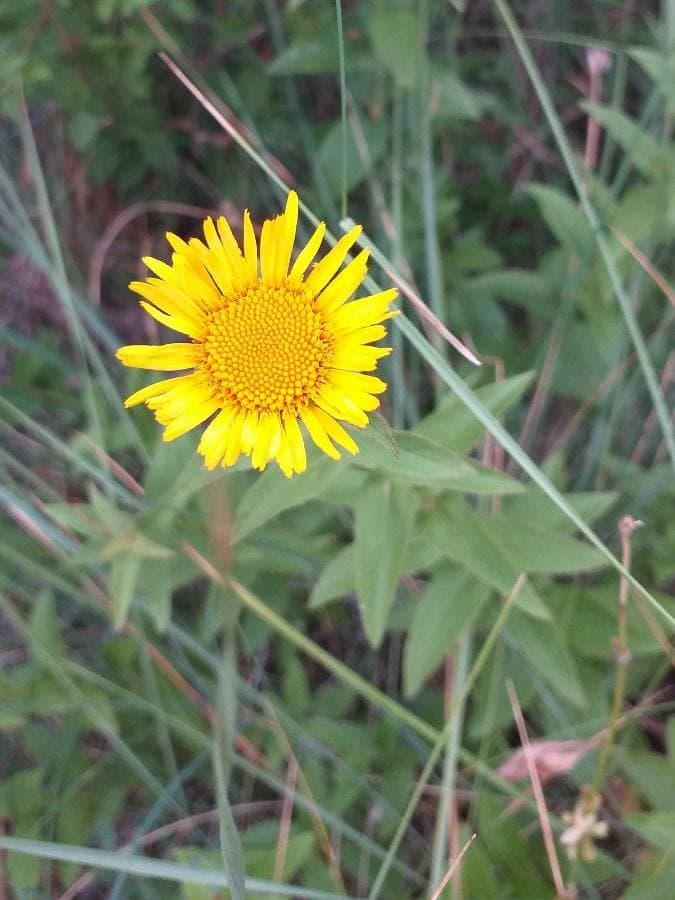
(271, 344)
(584, 827)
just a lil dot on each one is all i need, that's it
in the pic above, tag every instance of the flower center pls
(266, 349)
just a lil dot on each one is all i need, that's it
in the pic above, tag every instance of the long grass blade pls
(146, 867)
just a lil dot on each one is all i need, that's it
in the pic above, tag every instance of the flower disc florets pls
(271, 346)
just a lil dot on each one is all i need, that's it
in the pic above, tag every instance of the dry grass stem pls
(285, 821)
(115, 469)
(119, 223)
(453, 868)
(547, 832)
(317, 821)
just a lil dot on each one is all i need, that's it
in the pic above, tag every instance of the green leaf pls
(175, 467)
(660, 66)
(310, 57)
(455, 100)
(272, 493)
(469, 541)
(83, 128)
(656, 881)
(452, 425)
(156, 582)
(336, 580)
(396, 39)
(653, 776)
(44, 627)
(593, 609)
(642, 150)
(107, 513)
(542, 645)
(449, 604)
(530, 290)
(382, 526)
(658, 828)
(533, 548)
(421, 461)
(563, 217)
(358, 165)
(132, 541)
(535, 507)
(122, 584)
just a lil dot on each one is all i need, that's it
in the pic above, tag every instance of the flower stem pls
(627, 526)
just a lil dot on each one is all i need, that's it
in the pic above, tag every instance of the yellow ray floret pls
(273, 344)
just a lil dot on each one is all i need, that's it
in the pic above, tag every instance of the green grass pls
(204, 687)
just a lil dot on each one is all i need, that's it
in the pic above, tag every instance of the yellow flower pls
(270, 345)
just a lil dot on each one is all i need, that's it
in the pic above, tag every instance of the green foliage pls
(244, 675)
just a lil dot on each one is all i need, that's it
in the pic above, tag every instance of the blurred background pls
(136, 680)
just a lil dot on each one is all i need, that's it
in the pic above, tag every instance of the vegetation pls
(328, 685)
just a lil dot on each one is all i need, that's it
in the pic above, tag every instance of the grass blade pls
(146, 867)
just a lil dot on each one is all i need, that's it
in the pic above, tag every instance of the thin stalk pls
(343, 110)
(439, 857)
(399, 392)
(428, 194)
(627, 526)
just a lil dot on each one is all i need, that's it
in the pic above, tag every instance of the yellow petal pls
(286, 237)
(234, 448)
(169, 275)
(335, 431)
(295, 442)
(175, 323)
(363, 312)
(308, 252)
(324, 270)
(343, 285)
(155, 390)
(164, 358)
(216, 260)
(268, 249)
(318, 433)
(179, 399)
(356, 381)
(361, 336)
(284, 456)
(198, 284)
(336, 404)
(249, 431)
(358, 359)
(172, 301)
(267, 440)
(190, 420)
(213, 441)
(250, 247)
(232, 249)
